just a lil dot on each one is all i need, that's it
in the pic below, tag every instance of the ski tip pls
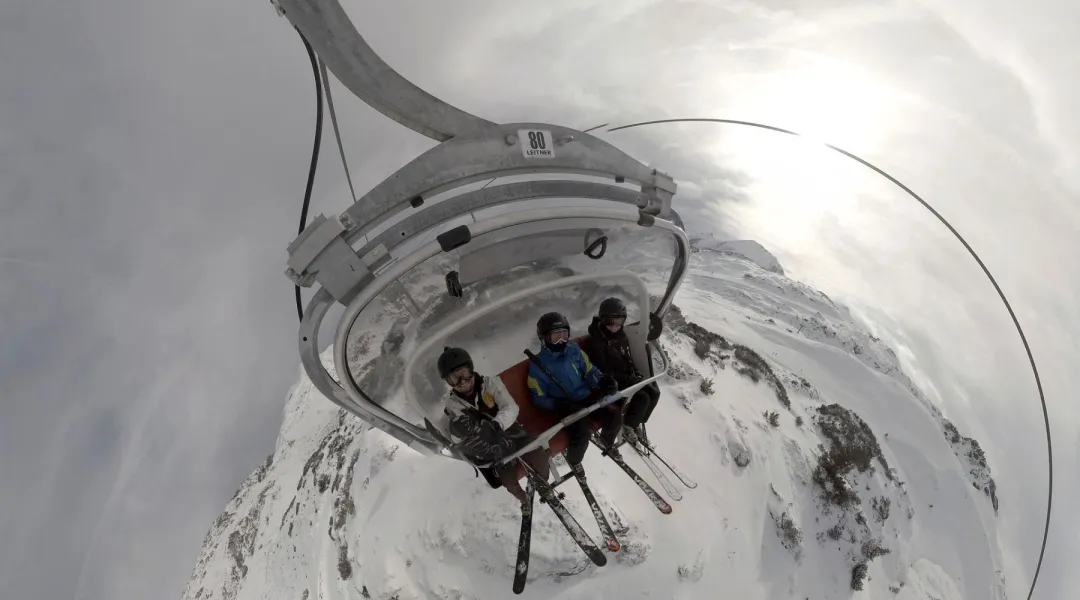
(600, 560)
(519, 588)
(666, 509)
(614, 546)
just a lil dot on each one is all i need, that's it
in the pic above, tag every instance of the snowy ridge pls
(822, 470)
(748, 249)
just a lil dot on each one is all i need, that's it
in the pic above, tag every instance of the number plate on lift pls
(536, 143)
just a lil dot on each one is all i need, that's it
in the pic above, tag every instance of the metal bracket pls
(320, 253)
(659, 191)
(377, 257)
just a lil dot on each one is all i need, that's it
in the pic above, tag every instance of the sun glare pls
(800, 189)
(826, 102)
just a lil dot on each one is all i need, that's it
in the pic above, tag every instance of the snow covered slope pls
(822, 470)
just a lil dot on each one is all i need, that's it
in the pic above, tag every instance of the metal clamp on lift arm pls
(320, 253)
(659, 192)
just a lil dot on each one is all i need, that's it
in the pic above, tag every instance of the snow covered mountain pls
(822, 470)
(748, 249)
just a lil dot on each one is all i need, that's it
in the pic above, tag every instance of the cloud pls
(1035, 45)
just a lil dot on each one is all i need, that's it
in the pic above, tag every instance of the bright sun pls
(800, 188)
(825, 101)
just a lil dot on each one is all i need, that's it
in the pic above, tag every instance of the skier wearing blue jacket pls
(577, 383)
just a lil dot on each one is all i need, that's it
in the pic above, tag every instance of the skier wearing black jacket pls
(609, 349)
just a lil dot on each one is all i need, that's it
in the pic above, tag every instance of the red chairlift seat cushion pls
(534, 419)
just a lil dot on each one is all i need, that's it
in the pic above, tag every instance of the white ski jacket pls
(494, 394)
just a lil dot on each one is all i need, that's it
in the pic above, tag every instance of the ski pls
(605, 528)
(660, 476)
(657, 500)
(521, 571)
(648, 452)
(576, 531)
(683, 478)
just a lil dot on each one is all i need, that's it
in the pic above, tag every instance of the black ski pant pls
(641, 405)
(610, 419)
(536, 459)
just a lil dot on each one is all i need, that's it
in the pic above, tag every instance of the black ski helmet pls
(549, 322)
(453, 359)
(612, 307)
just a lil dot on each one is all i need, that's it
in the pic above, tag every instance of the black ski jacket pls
(610, 352)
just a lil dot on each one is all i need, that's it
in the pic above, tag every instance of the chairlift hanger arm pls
(337, 42)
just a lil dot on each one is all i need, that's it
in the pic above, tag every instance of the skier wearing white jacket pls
(483, 420)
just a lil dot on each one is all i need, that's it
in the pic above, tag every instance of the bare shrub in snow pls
(835, 532)
(707, 386)
(700, 334)
(872, 549)
(858, 574)
(343, 565)
(757, 368)
(789, 533)
(748, 373)
(853, 444)
(828, 475)
(772, 418)
(701, 349)
(674, 318)
(881, 507)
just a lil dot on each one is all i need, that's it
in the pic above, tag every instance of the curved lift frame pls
(357, 254)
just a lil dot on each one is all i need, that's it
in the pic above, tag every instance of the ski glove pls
(608, 385)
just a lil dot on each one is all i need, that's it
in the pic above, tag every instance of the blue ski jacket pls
(574, 372)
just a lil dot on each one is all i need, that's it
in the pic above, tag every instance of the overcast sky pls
(152, 162)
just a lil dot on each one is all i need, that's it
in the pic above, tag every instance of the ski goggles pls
(460, 377)
(613, 321)
(558, 335)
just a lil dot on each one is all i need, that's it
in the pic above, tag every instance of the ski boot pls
(611, 450)
(643, 439)
(578, 470)
(633, 437)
